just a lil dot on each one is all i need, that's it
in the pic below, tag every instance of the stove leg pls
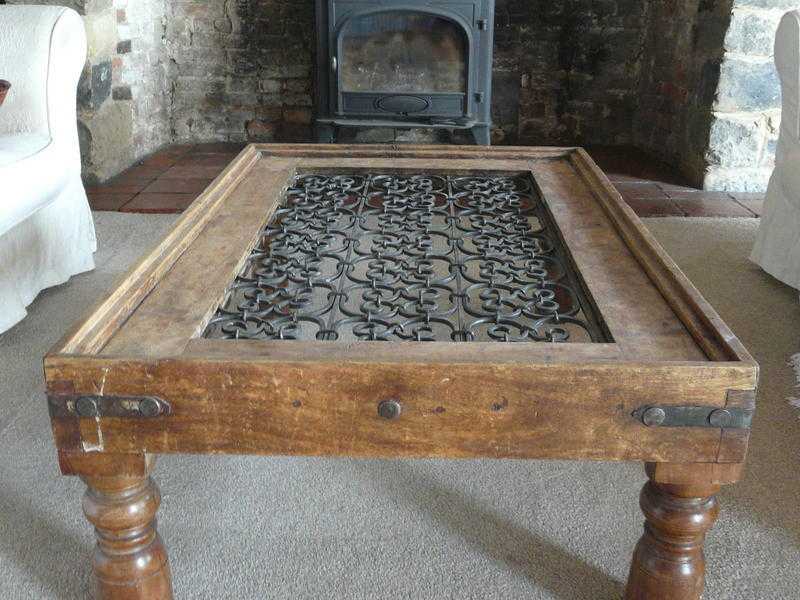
(668, 563)
(130, 561)
(325, 134)
(482, 135)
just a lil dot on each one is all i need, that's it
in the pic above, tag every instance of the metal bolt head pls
(149, 407)
(720, 418)
(86, 407)
(654, 416)
(389, 409)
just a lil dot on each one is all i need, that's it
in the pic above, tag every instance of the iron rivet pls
(389, 409)
(149, 407)
(86, 407)
(654, 416)
(720, 418)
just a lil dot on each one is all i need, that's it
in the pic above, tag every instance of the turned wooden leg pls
(668, 562)
(130, 561)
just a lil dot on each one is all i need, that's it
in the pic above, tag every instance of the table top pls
(384, 265)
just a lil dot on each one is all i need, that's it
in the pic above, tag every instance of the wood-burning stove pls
(404, 64)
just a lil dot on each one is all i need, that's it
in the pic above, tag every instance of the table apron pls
(569, 411)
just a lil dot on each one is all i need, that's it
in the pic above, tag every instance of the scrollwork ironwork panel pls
(396, 257)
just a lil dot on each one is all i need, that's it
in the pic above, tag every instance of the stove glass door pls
(403, 52)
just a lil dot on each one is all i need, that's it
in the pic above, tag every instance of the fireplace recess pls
(404, 64)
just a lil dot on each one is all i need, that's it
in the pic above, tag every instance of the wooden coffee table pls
(404, 301)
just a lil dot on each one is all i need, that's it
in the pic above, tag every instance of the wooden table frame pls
(458, 400)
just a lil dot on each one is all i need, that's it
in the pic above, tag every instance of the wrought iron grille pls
(425, 258)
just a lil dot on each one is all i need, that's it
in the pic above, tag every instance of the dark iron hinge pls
(731, 417)
(92, 406)
(478, 97)
(483, 24)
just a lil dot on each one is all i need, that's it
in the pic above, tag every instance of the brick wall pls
(140, 72)
(681, 57)
(567, 72)
(241, 69)
(690, 81)
(709, 97)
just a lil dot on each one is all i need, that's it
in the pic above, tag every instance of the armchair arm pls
(42, 54)
(787, 61)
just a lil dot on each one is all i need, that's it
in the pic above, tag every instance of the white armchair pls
(46, 228)
(777, 247)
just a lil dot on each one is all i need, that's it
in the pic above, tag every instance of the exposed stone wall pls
(690, 81)
(122, 114)
(746, 113)
(242, 69)
(567, 71)
(681, 57)
(106, 125)
(122, 95)
(140, 70)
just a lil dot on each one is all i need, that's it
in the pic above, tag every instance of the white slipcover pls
(46, 228)
(777, 247)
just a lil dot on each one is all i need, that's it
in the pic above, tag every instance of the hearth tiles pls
(169, 180)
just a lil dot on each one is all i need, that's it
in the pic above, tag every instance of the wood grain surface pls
(327, 407)
(534, 400)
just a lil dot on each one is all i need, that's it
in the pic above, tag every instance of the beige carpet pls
(284, 528)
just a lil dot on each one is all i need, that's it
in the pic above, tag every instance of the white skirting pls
(46, 249)
(777, 247)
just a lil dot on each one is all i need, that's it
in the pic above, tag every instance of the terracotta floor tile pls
(192, 172)
(649, 207)
(754, 202)
(108, 201)
(138, 172)
(693, 194)
(217, 147)
(179, 149)
(160, 161)
(615, 178)
(640, 191)
(159, 203)
(177, 186)
(170, 179)
(676, 187)
(706, 205)
(133, 186)
(206, 160)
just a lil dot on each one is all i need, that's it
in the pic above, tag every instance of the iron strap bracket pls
(91, 406)
(730, 417)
